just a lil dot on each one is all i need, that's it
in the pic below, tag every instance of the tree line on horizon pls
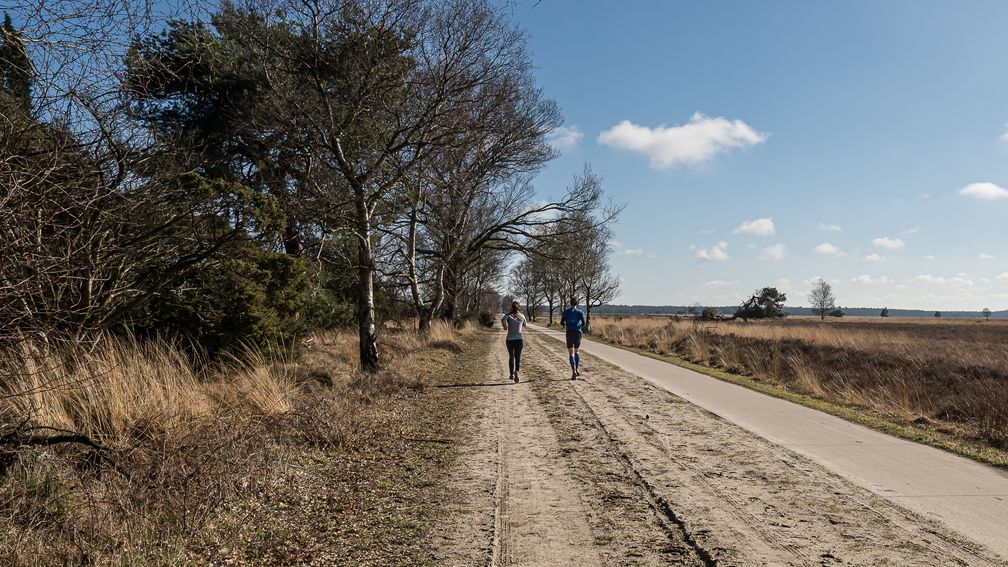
(619, 309)
(249, 172)
(571, 264)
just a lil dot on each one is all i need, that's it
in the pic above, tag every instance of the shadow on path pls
(504, 382)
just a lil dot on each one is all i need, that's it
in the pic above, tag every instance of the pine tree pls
(15, 66)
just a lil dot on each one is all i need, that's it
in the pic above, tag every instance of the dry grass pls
(948, 375)
(184, 442)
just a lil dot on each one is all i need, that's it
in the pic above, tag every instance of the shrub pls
(486, 319)
(251, 298)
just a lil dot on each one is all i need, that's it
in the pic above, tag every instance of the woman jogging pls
(513, 322)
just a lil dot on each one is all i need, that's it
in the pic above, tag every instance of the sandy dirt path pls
(610, 470)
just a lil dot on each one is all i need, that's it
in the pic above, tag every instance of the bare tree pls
(821, 298)
(597, 284)
(525, 282)
(986, 313)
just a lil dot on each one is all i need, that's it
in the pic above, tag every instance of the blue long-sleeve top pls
(573, 319)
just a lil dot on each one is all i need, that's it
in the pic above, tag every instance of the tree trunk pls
(426, 318)
(423, 311)
(292, 239)
(450, 294)
(365, 300)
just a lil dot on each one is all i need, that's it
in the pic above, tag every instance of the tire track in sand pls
(743, 499)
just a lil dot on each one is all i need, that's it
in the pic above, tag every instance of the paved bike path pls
(968, 497)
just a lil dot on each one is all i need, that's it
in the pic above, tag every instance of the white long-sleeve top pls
(514, 325)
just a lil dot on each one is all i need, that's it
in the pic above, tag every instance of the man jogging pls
(573, 320)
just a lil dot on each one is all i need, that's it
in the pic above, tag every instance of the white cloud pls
(758, 227)
(1003, 277)
(890, 243)
(716, 252)
(564, 138)
(815, 279)
(720, 283)
(775, 252)
(871, 280)
(828, 249)
(874, 257)
(929, 257)
(984, 191)
(632, 252)
(615, 244)
(959, 280)
(913, 230)
(830, 227)
(693, 143)
(925, 195)
(985, 256)
(1005, 135)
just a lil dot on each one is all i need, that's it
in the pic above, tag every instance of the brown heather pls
(946, 375)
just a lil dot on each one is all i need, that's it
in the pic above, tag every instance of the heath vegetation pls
(945, 375)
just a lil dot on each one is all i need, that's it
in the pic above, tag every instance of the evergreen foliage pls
(765, 303)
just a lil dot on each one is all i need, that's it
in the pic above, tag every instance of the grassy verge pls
(279, 463)
(371, 504)
(862, 416)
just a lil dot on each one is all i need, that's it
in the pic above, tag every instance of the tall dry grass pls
(119, 390)
(182, 440)
(952, 375)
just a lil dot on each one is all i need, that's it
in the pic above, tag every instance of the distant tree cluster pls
(570, 260)
(275, 167)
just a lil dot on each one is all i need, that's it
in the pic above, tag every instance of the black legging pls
(514, 347)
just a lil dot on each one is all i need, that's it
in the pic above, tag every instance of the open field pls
(946, 377)
(254, 462)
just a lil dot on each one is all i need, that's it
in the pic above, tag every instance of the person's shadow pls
(505, 382)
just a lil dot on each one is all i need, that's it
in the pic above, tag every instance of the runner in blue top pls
(573, 320)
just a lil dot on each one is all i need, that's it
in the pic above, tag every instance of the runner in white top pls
(514, 322)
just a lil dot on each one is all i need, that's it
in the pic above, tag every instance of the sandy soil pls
(609, 470)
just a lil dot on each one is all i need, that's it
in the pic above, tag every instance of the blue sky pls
(768, 143)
